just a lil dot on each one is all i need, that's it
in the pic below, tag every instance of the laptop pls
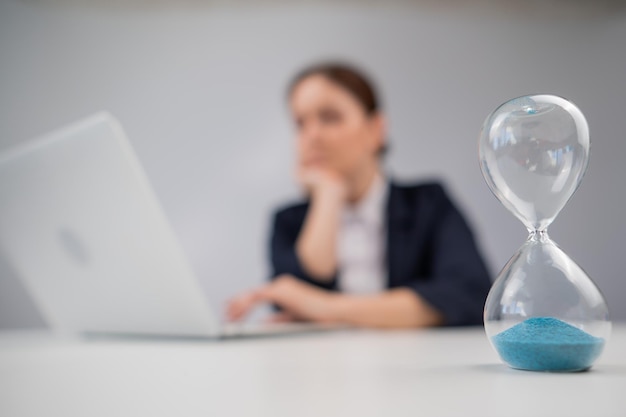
(84, 230)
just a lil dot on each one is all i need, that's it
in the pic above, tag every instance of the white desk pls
(443, 372)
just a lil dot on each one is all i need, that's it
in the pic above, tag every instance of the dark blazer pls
(430, 249)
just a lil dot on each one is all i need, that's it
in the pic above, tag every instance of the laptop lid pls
(82, 227)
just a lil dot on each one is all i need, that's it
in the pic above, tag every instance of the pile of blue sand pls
(547, 344)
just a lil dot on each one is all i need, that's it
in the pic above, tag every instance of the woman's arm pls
(316, 246)
(396, 308)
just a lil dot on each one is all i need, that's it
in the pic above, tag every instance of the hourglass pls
(543, 313)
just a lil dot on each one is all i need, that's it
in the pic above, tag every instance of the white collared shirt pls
(362, 243)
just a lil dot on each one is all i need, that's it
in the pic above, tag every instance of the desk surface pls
(439, 372)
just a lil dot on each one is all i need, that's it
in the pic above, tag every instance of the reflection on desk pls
(436, 372)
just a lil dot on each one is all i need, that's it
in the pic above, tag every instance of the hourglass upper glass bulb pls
(533, 153)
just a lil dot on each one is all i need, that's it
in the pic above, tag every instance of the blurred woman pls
(362, 249)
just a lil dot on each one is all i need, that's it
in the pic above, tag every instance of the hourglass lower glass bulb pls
(543, 312)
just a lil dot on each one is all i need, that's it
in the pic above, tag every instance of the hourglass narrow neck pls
(538, 235)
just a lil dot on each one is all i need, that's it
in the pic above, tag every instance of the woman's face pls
(334, 131)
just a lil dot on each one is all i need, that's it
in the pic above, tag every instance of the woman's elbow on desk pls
(395, 308)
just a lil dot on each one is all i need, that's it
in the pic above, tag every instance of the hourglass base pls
(547, 344)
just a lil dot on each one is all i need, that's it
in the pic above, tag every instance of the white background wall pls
(199, 88)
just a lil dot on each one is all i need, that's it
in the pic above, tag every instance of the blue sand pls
(547, 344)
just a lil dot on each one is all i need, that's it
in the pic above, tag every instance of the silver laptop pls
(81, 225)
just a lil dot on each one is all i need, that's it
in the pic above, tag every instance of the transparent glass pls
(543, 312)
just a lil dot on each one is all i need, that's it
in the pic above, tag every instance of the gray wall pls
(199, 89)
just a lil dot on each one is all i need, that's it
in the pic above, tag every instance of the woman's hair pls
(348, 78)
